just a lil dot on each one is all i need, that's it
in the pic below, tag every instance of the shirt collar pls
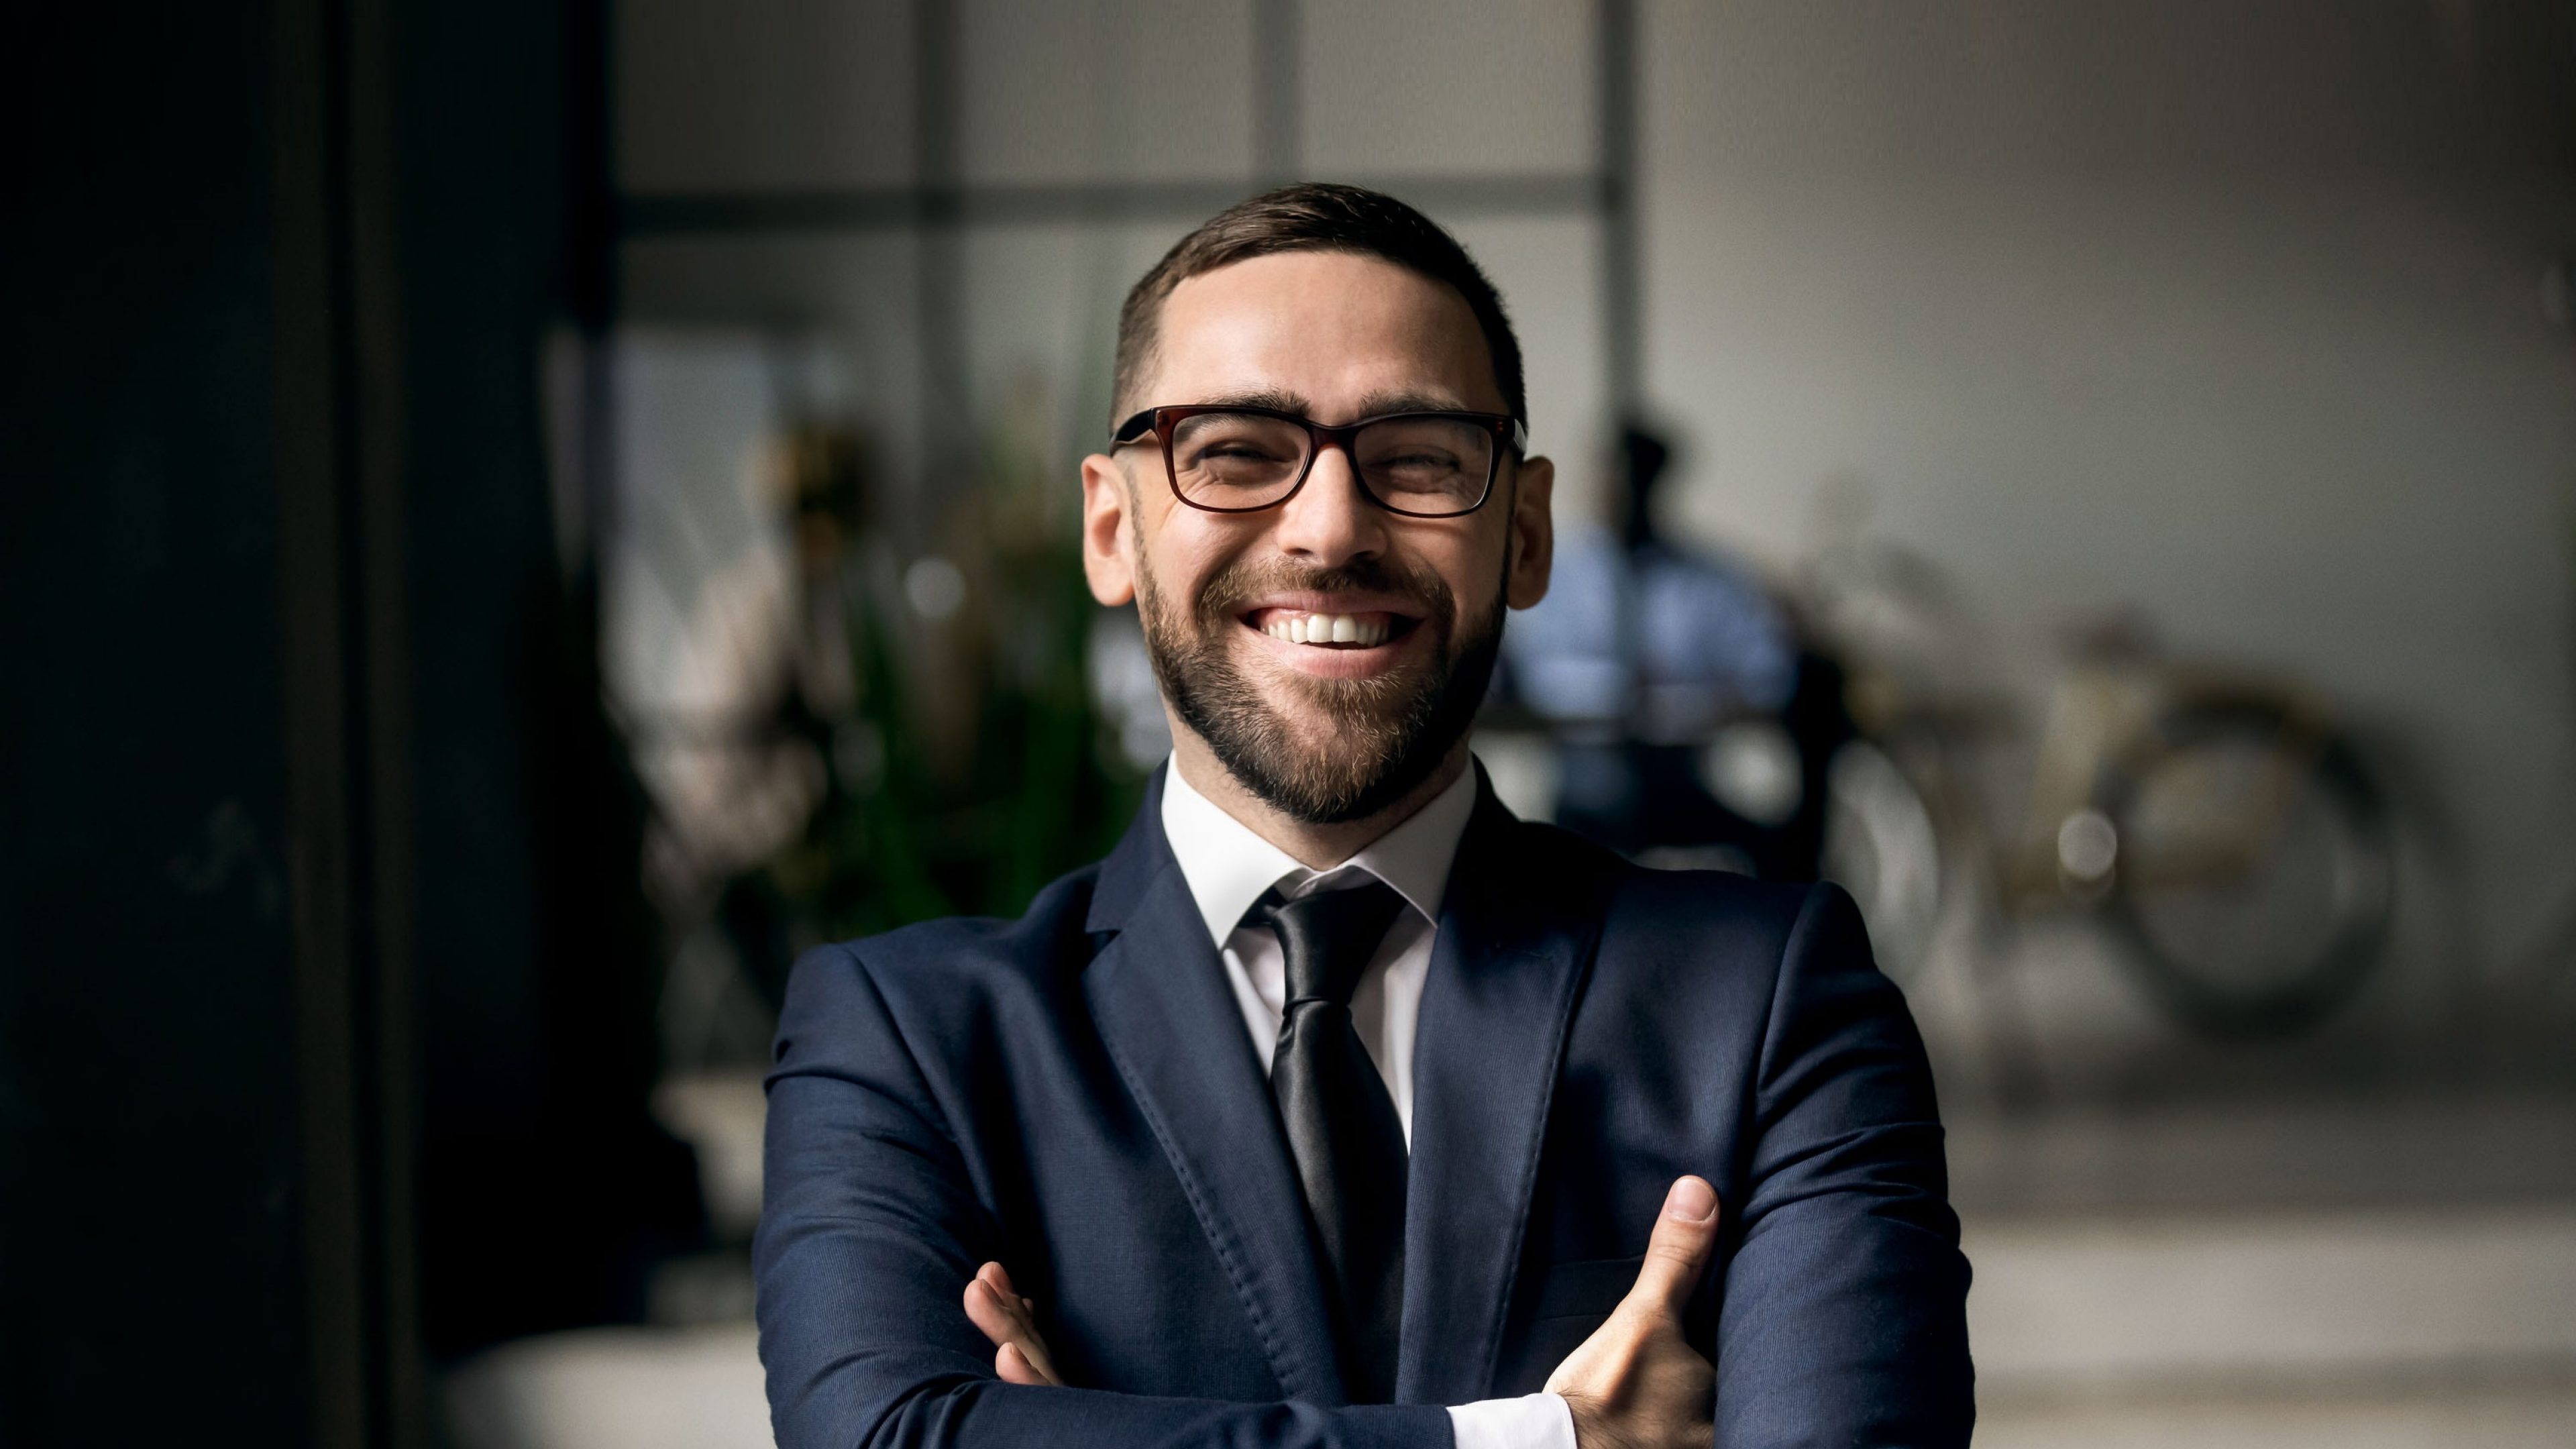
(1228, 866)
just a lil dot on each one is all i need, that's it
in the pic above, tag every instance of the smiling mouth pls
(1365, 630)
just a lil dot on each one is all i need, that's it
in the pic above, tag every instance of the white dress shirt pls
(1228, 867)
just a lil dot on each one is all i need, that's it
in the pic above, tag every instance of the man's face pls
(1241, 611)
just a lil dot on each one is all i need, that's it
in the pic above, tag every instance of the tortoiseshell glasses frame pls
(1460, 492)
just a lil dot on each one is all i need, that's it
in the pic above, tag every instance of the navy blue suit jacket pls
(1073, 1095)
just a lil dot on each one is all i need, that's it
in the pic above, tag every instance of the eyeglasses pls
(1245, 459)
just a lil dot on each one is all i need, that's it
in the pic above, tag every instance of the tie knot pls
(1329, 936)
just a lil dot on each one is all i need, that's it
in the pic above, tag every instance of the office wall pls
(2232, 315)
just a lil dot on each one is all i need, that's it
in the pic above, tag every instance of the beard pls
(1375, 740)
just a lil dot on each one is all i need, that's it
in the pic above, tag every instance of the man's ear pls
(1532, 541)
(1106, 537)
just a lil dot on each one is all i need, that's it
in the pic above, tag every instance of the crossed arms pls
(1840, 1321)
(1635, 1381)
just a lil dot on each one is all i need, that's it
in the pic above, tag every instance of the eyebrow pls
(1378, 404)
(1372, 405)
(1275, 399)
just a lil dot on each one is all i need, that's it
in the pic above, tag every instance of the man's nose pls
(1330, 521)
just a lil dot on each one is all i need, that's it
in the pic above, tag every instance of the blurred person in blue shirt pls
(1642, 653)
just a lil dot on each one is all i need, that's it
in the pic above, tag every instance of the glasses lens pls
(1426, 465)
(1236, 460)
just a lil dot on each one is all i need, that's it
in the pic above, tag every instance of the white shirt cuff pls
(1537, 1421)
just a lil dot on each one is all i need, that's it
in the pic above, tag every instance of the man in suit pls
(1337, 1106)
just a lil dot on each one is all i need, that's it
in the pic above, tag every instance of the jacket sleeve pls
(1844, 1320)
(871, 1228)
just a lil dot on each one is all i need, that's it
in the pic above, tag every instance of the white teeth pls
(1327, 629)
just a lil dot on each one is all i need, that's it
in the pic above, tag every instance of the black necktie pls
(1341, 1124)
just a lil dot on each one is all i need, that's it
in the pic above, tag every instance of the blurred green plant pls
(967, 763)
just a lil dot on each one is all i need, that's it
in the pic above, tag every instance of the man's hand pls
(1019, 1355)
(1635, 1383)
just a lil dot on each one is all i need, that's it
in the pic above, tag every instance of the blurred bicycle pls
(2219, 823)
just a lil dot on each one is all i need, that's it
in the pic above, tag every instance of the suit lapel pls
(1159, 997)
(1505, 970)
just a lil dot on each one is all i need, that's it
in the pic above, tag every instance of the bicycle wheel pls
(2250, 864)
(1880, 845)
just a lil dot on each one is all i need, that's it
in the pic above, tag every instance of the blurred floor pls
(2448, 1326)
(613, 1388)
(2392, 1274)
(2475, 1421)
(2360, 1272)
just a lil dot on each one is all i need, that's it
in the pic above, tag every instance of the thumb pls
(1679, 1250)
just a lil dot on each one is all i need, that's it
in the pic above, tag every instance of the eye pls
(1236, 457)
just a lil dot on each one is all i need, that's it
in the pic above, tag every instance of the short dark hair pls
(1314, 216)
